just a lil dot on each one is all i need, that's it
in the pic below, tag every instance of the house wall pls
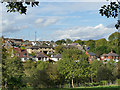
(55, 59)
(40, 50)
(109, 57)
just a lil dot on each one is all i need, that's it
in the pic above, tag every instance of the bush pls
(105, 60)
(118, 81)
(104, 82)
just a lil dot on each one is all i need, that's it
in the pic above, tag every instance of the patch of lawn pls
(78, 88)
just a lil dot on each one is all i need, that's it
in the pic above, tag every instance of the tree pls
(41, 74)
(73, 65)
(59, 49)
(105, 73)
(113, 36)
(110, 10)
(94, 66)
(79, 41)
(59, 42)
(101, 42)
(91, 44)
(101, 50)
(12, 71)
(20, 7)
(118, 70)
(68, 41)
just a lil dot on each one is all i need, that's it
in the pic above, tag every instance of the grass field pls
(78, 88)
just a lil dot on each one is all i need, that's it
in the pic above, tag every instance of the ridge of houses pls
(41, 50)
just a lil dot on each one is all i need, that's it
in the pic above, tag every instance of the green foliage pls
(73, 64)
(104, 82)
(20, 7)
(33, 54)
(41, 74)
(91, 43)
(94, 66)
(105, 76)
(101, 50)
(118, 82)
(4, 53)
(118, 70)
(110, 10)
(79, 41)
(100, 42)
(68, 40)
(114, 36)
(59, 42)
(22, 48)
(12, 72)
(59, 49)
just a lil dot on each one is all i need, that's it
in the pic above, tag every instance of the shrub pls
(104, 82)
(118, 81)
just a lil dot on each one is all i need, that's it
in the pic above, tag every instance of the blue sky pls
(58, 20)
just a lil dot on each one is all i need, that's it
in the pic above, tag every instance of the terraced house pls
(109, 56)
(43, 49)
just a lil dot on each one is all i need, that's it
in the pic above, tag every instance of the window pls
(25, 54)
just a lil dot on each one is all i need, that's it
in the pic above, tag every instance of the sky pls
(58, 20)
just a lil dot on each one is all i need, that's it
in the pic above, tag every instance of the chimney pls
(35, 36)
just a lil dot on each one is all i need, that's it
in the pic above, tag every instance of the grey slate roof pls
(91, 54)
(110, 54)
(57, 56)
(37, 47)
(42, 55)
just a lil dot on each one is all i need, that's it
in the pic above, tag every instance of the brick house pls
(109, 56)
(21, 53)
(92, 56)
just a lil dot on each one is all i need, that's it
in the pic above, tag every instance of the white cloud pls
(84, 33)
(8, 27)
(45, 21)
(40, 20)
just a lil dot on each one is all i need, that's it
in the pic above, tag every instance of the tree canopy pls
(111, 10)
(20, 7)
(74, 64)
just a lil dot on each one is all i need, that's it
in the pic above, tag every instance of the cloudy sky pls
(58, 20)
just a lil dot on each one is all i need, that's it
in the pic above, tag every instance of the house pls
(42, 57)
(92, 56)
(56, 57)
(43, 49)
(21, 53)
(109, 56)
(12, 41)
(7, 45)
(75, 45)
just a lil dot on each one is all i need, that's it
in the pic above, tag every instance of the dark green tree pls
(12, 71)
(105, 73)
(68, 41)
(94, 66)
(79, 41)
